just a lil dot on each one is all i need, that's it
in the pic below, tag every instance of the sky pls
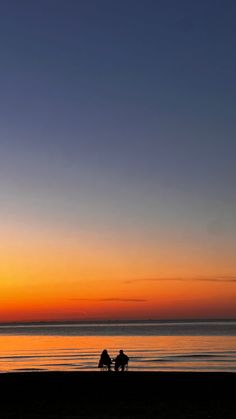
(117, 159)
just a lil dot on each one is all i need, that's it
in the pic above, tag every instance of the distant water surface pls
(151, 346)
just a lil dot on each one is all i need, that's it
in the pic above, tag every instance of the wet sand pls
(112, 395)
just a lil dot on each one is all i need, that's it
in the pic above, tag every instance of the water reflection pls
(156, 353)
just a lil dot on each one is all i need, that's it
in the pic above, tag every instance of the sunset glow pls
(49, 275)
(117, 162)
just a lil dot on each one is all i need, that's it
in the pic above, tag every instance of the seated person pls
(121, 361)
(105, 360)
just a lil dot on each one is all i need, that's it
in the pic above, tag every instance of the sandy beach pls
(117, 395)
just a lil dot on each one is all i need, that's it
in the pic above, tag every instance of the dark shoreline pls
(114, 395)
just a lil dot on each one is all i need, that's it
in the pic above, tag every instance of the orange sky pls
(54, 275)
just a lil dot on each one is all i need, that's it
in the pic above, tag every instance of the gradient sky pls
(117, 159)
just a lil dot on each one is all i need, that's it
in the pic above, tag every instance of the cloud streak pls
(122, 300)
(226, 279)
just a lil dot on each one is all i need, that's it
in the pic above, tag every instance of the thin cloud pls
(122, 300)
(231, 279)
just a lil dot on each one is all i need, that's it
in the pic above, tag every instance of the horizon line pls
(64, 322)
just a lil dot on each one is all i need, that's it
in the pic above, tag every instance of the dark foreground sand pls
(112, 395)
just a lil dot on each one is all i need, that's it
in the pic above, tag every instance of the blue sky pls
(120, 115)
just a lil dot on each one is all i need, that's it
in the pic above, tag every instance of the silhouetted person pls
(121, 361)
(105, 360)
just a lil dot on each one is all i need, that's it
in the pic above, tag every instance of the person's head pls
(104, 351)
(121, 352)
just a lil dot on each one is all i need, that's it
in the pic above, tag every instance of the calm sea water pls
(153, 346)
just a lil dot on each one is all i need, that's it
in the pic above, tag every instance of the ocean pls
(150, 345)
